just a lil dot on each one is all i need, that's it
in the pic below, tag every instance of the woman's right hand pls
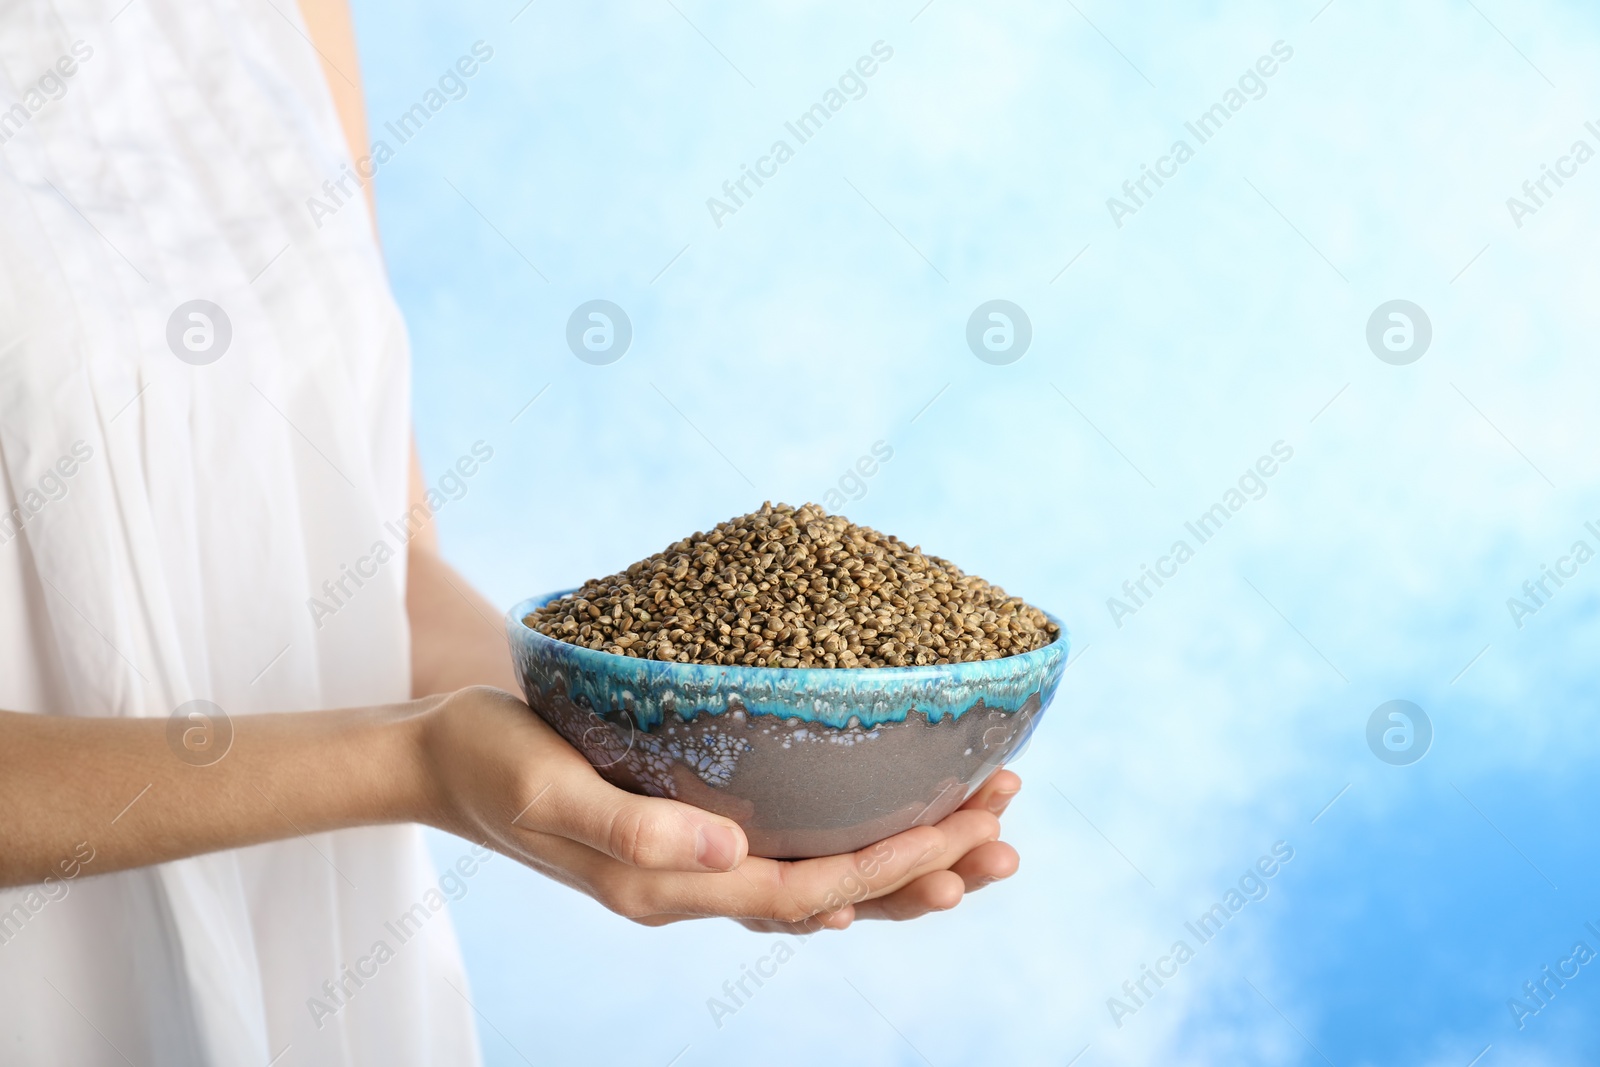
(496, 773)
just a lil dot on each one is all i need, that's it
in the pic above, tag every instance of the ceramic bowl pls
(811, 762)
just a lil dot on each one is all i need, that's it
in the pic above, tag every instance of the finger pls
(837, 920)
(653, 833)
(763, 889)
(993, 795)
(905, 858)
(986, 864)
(810, 887)
(937, 891)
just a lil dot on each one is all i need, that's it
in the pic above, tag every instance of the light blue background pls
(1227, 314)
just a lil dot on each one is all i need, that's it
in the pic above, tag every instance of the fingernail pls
(715, 847)
(987, 879)
(998, 802)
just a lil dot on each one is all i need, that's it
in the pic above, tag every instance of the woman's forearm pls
(116, 786)
(457, 637)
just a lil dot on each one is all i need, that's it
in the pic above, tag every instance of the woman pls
(204, 418)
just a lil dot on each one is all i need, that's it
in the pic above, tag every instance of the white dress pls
(166, 520)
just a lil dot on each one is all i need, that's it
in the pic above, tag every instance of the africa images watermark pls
(451, 86)
(1251, 888)
(199, 733)
(804, 127)
(1399, 732)
(852, 888)
(1538, 191)
(599, 332)
(452, 485)
(1204, 127)
(1536, 592)
(852, 484)
(51, 488)
(999, 332)
(339, 990)
(34, 899)
(51, 86)
(1537, 993)
(1203, 528)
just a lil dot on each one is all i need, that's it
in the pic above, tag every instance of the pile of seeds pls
(796, 587)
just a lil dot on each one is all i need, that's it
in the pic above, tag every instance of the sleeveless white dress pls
(174, 490)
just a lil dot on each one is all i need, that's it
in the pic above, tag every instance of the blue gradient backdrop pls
(1226, 314)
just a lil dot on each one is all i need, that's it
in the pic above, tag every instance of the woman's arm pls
(116, 785)
(477, 763)
(333, 34)
(457, 637)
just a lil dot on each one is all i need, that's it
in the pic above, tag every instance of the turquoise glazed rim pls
(652, 690)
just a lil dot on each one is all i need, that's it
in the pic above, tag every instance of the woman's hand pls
(497, 774)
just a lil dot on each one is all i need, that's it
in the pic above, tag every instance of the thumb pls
(648, 832)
